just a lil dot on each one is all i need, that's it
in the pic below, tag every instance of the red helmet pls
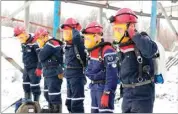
(40, 32)
(72, 23)
(18, 30)
(124, 15)
(93, 28)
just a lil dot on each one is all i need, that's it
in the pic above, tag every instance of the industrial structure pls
(158, 11)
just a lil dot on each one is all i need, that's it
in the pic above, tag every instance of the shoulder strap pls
(101, 51)
(78, 56)
(100, 54)
(140, 62)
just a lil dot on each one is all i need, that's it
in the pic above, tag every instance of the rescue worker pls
(75, 60)
(136, 71)
(51, 59)
(32, 69)
(101, 69)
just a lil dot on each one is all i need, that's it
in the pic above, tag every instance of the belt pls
(133, 85)
(98, 82)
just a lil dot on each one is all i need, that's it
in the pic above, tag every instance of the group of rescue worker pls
(86, 54)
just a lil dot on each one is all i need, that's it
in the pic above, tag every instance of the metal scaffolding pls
(104, 5)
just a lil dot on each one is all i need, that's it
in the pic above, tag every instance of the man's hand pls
(131, 31)
(60, 76)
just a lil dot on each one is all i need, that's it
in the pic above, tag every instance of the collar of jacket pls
(101, 44)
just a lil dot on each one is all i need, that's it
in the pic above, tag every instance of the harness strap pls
(78, 55)
(100, 54)
(140, 62)
(133, 85)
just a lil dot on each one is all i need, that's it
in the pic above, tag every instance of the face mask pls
(119, 32)
(67, 35)
(91, 40)
(22, 37)
(41, 41)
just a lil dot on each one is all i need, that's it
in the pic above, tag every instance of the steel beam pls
(27, 16)
(81, 2)
(153, 19)
(174, 8)
(167, 18)
(56, 18)
(100, 15)
(18, 10)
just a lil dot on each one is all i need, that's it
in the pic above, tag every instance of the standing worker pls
(136, 70)
(75, 60)
(51, 59)
(101, 69)
(32, 73)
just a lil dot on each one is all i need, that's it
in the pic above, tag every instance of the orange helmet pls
(71, 23)
(18, 30)
(93, 28)
(124, 15)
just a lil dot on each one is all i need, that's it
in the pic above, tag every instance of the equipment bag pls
(27, 107)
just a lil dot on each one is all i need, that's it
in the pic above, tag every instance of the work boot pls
(36, 98)
(48, 110)
(45, 110)
(56, 108)
(28, 96)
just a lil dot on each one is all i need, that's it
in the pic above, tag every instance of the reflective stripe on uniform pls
(76, 99)
(33, 85)
(54, 93)
(45, 90)
(108, 110)
(94, 108)
(52, 45)
(127, 50)
(26, 83)
(112, 53)
(96, 59)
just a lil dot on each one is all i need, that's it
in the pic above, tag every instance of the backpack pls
(27, 106)
(158, 61)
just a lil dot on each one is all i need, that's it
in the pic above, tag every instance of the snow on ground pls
(11, 79)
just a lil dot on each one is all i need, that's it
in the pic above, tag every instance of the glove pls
(159, 79)
(60, 76)
(38, 72)
(131, 31)
(105, 100)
